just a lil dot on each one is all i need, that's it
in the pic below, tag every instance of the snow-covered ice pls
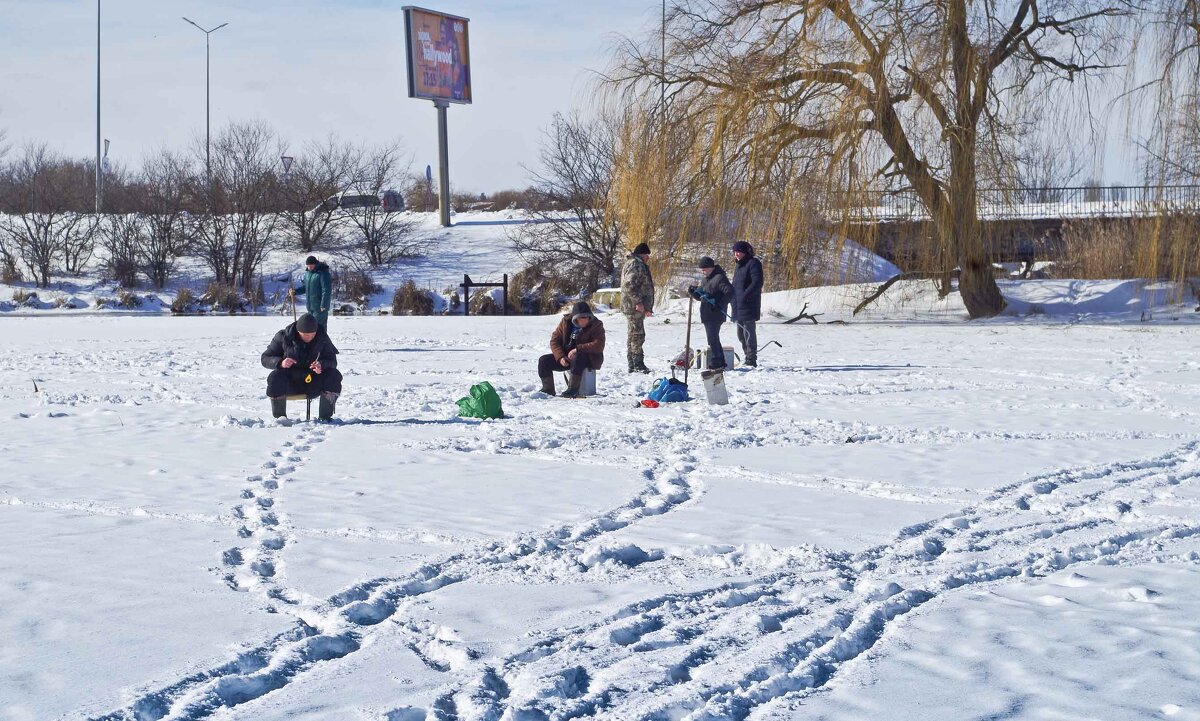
(913, 521)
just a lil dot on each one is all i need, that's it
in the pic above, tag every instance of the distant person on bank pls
(317, 288)
(302, 361)
(576, 345)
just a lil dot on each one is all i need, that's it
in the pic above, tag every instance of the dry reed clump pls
(408, 299)
(482, 303)
(356, 285)
(222, 297)
(535, 291)
(185, 302)
(128, 299)
(1159, 248)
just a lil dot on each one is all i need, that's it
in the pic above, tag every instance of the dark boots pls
(572, 390)
(548, 385)
(279, 407)
(325, 410)
(637, 363)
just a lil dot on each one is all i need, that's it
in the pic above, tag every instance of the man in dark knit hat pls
(317, 289)
(576, 345)
(747, 299)
(714, 294)
(302, 360)
(637, 303)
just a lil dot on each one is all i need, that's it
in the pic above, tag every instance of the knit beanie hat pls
(306, 323)
(641, 249)
(581, 309)
(743, 247)
(310, 260)
(706, 262)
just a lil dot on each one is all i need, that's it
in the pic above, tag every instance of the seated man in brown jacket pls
(575, 345)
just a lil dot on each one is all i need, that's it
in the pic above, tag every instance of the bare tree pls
(375, 235)
(584, 242)
(888, 94)
(317, 173)
(236, 230)
(121, 238)
(47, 223)
(167, 181)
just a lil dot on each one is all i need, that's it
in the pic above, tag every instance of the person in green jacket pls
(317, 289)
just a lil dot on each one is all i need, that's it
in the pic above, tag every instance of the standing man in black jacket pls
(302, 359)
(747, 299)
(714, 294)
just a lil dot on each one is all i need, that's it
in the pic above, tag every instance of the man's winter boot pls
(325, 409)
(639, 364)
(751, 361)
(279, 407)
(572, 390)
(548, 385)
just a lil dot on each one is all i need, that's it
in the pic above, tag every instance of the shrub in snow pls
(21, 297)
(9, 272)
(356, 285)
(185, 302)
(482, 303)
(536, 291)
(222, 297)
(411, 300)
(128, 299)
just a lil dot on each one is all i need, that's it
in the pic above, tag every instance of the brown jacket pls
(590, 340)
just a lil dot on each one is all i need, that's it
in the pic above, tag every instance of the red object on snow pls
(648, 403)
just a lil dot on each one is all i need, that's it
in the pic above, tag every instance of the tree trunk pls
(976, 282)
(980, 294)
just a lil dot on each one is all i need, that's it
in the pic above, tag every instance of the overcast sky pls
(307, 67)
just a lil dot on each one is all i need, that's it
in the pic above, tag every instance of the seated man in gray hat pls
(302, 360)
(576, 344)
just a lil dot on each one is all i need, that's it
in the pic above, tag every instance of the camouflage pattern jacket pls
(637, 286)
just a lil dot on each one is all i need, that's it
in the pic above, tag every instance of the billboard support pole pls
(443, 163)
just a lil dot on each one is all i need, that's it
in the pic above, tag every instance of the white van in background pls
(390, 200)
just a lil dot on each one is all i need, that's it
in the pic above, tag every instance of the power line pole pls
(97, 107)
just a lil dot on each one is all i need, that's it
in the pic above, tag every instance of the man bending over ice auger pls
(302, 360)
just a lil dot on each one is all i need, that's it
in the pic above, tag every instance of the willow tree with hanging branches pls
(822, 105)
(1172, 45)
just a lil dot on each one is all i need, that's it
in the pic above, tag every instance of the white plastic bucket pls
(714, 388)
(587, 386)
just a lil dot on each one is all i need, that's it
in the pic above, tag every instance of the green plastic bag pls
(482, 403)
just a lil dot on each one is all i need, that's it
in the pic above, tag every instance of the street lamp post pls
(97, 107)
(207, 87)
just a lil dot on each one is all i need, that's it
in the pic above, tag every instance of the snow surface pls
(889, 521)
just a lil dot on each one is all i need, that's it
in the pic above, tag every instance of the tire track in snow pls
(724, 652)
(338, 627)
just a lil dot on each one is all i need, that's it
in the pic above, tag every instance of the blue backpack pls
(668, 390)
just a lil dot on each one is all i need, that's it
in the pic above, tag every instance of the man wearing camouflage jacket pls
(637, 302)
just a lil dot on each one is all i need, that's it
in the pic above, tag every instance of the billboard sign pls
(439, 66)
